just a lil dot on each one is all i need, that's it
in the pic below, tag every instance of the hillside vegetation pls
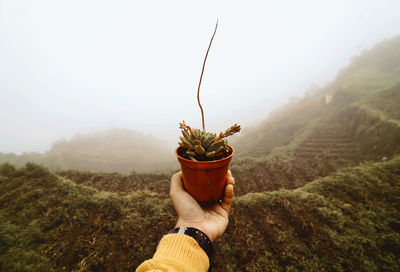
(310, 139)
(317, 189)
(348, 221)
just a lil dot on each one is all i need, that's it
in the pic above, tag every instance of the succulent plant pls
(199, 145)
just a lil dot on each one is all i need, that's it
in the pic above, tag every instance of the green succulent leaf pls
(186, 143)
(199, 149)
(185, 134)
(219, 149)
(210, 154)
(209, 140)
(182, 145)
(215, 145)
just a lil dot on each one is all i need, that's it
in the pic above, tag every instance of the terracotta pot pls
(205, 180)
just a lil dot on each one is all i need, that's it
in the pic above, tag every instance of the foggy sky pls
(70, 67)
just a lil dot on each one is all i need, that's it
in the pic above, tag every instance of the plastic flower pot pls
(205, 180)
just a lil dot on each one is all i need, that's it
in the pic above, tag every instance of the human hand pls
(212, 221)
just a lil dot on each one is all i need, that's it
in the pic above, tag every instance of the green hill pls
(317, 189)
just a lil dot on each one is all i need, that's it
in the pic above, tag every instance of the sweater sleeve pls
(177, 252)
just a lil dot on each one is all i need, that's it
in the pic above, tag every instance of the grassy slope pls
(48, 223)
(340, 138)
(347, 221)
(120, 183)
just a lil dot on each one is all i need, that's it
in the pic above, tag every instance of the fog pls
(80, 66)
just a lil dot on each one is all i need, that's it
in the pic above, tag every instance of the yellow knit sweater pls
(177, 252)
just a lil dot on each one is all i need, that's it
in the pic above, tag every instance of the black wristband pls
(201, 238)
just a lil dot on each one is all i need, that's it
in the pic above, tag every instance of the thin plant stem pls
(201, 76)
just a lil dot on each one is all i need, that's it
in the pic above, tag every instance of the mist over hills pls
(123, 150)
(113, 150)
(317, 189)
(357, 84)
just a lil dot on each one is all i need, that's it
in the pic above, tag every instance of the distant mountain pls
(119, 150)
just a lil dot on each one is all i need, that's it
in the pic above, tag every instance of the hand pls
(213, 221)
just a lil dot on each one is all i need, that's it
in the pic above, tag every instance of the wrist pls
(182, 223)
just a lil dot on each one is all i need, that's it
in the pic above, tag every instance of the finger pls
(178, 195)
(176, 191)
(230, 180)
(228, 198)
(176, 183)
(229, 177)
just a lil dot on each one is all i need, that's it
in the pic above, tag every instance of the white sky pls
(79, 66)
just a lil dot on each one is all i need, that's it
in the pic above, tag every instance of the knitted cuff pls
(182, 249)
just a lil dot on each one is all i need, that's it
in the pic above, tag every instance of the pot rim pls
(204, 162)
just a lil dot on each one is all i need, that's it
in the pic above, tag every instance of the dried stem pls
(201, 76)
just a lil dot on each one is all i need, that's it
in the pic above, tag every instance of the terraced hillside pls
(349, 221)
(347, 138)
(330, 141)
(317, 189)
(361, 124)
